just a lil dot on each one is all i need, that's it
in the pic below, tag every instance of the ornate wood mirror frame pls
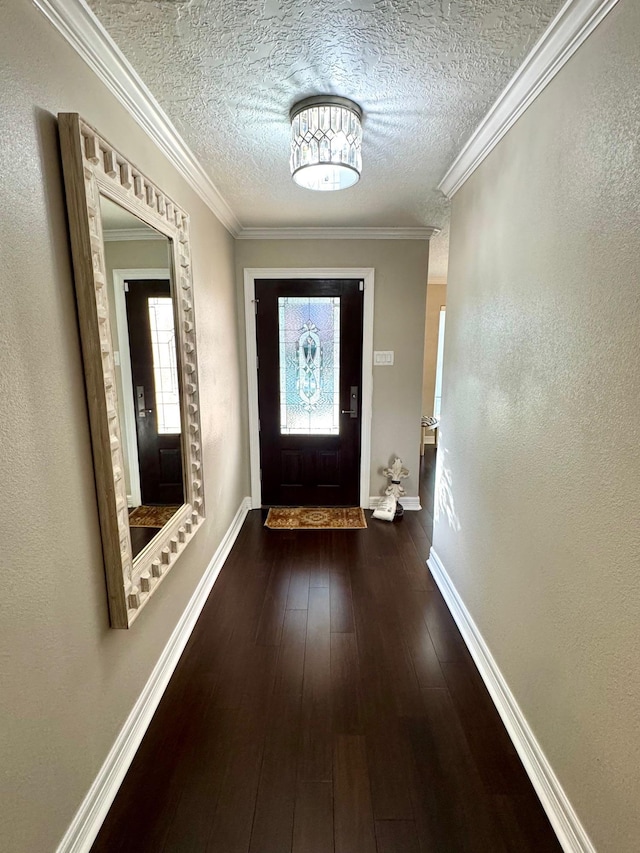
(93, 168)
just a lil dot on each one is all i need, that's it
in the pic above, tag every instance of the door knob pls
(353, 397)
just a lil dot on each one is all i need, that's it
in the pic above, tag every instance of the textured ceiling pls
(424, 71)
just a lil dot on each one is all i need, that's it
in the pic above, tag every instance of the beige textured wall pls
(68, 680)
(540, 443)
(436, 299)
(400, 288)
(135, 254)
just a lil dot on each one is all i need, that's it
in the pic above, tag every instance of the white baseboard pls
(571, 834)
(407, 501)
(93, 810)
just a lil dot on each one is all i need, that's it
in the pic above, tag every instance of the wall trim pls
(117, 235)
(337, 233)
(409, 502)
(571, 834)
(250, 276)
(573, 24)
(82, 30)
(75, 21)
(89, 818)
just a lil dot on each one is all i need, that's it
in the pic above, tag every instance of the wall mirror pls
(131, 258)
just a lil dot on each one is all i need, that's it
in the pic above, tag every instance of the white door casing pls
(367, 275)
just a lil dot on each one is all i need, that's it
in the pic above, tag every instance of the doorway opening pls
(432, 373)
(437, 400)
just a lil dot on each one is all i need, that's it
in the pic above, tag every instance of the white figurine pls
(396, 472)
(389, 508)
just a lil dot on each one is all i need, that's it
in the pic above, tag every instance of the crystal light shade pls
(326, 143)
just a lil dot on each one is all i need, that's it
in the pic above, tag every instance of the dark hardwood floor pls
(327, 702)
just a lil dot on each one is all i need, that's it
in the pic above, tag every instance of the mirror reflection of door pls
(309, 340)
(156, 393)
(138, 264)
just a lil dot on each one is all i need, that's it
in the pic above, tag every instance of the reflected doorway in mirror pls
(155, 384)
(146, 370)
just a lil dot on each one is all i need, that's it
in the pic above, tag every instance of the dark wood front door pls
(158, 432)
(309, 339)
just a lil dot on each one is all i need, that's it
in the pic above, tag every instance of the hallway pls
(326, 702)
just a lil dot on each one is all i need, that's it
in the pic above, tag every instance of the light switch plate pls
(383, 358)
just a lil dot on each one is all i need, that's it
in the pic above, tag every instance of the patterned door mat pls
(316, 518)
(151, 516)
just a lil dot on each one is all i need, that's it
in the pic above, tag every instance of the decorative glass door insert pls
(309, 349)
(165, 368)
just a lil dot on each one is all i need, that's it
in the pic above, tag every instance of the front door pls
(309, 339)
(156, 392)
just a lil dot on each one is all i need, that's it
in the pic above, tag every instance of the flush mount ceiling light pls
(326, 143)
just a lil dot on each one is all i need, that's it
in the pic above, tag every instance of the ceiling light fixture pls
(326, 143)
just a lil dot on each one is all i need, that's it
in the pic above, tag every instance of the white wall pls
(68, 680)
(540, 442)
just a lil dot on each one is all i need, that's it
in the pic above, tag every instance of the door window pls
(165, 371)
(309, 350)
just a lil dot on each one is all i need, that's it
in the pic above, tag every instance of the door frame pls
(122, 334)
(250, 276)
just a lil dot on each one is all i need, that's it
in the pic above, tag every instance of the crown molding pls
(573, 24)
(117, 235)
(337, 233)
(75, 21)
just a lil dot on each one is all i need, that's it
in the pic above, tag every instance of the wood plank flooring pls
(326, 703)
